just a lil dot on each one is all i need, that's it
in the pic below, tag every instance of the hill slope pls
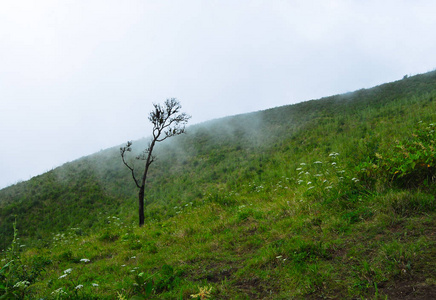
(326, 198)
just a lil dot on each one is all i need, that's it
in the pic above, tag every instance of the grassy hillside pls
(330, 198)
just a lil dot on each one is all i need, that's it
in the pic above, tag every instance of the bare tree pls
(167, 121)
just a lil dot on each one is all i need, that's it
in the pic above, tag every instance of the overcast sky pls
(78, 76)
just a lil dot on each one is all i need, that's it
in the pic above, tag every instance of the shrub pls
(17, 275)
(410, 164)
(167, 279)
(414, 161)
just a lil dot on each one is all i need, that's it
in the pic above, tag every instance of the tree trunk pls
(141, 205)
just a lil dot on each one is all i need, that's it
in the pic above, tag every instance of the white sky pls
(78, 76)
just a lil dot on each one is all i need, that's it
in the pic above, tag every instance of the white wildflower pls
(62, 276)
(85, 260)
(79, 287)
(68, 271)
(95, 284)
(22, 284)
(59, 291)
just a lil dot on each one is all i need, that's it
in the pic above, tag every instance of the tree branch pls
(123, 150)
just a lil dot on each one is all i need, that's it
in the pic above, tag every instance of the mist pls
(78, 77)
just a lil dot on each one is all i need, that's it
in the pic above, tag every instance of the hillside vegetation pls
(331, 198)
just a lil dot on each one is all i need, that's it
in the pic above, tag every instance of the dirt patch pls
(254, 288)
(337, 252)
(422, 284)
(410, 289)
(213, 271)
(217, 276)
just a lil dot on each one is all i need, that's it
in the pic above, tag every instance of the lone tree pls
(167, 121)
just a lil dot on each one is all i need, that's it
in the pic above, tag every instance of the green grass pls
(332, 198)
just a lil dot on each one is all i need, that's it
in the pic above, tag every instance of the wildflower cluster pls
(320, 176)
(221, 197)
(66, 272)
(255, 188)
(282, 184)
(22, 284)
(67, 238)
(181, 208)
(59, 292)
(115, 221)
(204, 293)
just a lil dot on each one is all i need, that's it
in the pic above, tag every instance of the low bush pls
(411, 163)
